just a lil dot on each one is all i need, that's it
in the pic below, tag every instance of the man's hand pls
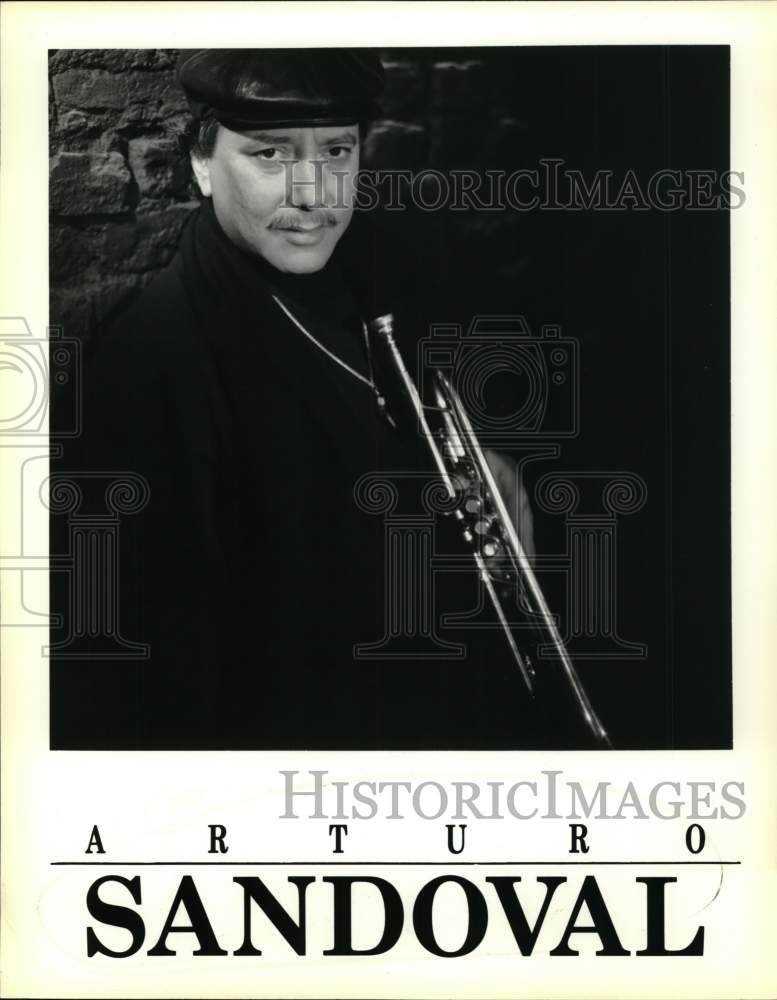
(506, 474)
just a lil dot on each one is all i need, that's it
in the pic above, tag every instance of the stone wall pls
(120, 188)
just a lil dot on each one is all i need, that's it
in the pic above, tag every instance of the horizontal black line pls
(378, 864)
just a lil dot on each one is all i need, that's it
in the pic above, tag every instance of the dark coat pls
(252, 572)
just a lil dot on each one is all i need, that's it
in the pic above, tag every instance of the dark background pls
(646, 294)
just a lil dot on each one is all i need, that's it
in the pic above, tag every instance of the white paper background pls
(157, 806)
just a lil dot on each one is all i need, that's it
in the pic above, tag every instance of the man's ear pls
(201, 168)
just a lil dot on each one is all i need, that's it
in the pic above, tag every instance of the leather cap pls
(254, 88)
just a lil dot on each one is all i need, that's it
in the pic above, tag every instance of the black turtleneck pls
(324, 298)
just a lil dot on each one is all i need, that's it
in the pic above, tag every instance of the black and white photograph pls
(404, 398)
(387, 559)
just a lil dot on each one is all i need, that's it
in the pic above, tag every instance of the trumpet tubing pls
(488, 530)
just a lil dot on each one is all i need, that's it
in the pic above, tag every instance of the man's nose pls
(307, 184)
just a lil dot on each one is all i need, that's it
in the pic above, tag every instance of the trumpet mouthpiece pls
(383, 324)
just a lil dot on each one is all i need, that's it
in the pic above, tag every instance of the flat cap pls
(254, 88)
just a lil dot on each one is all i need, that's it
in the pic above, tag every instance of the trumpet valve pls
(490, 548)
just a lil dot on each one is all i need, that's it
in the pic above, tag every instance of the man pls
(243, 387)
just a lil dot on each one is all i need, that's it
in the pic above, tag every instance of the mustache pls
(290, 218)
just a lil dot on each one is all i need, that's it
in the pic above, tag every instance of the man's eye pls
(270, 153)
(339, 152)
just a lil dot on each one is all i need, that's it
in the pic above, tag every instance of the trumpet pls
(488, 531)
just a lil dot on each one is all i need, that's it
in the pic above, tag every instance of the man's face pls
(285, 194)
